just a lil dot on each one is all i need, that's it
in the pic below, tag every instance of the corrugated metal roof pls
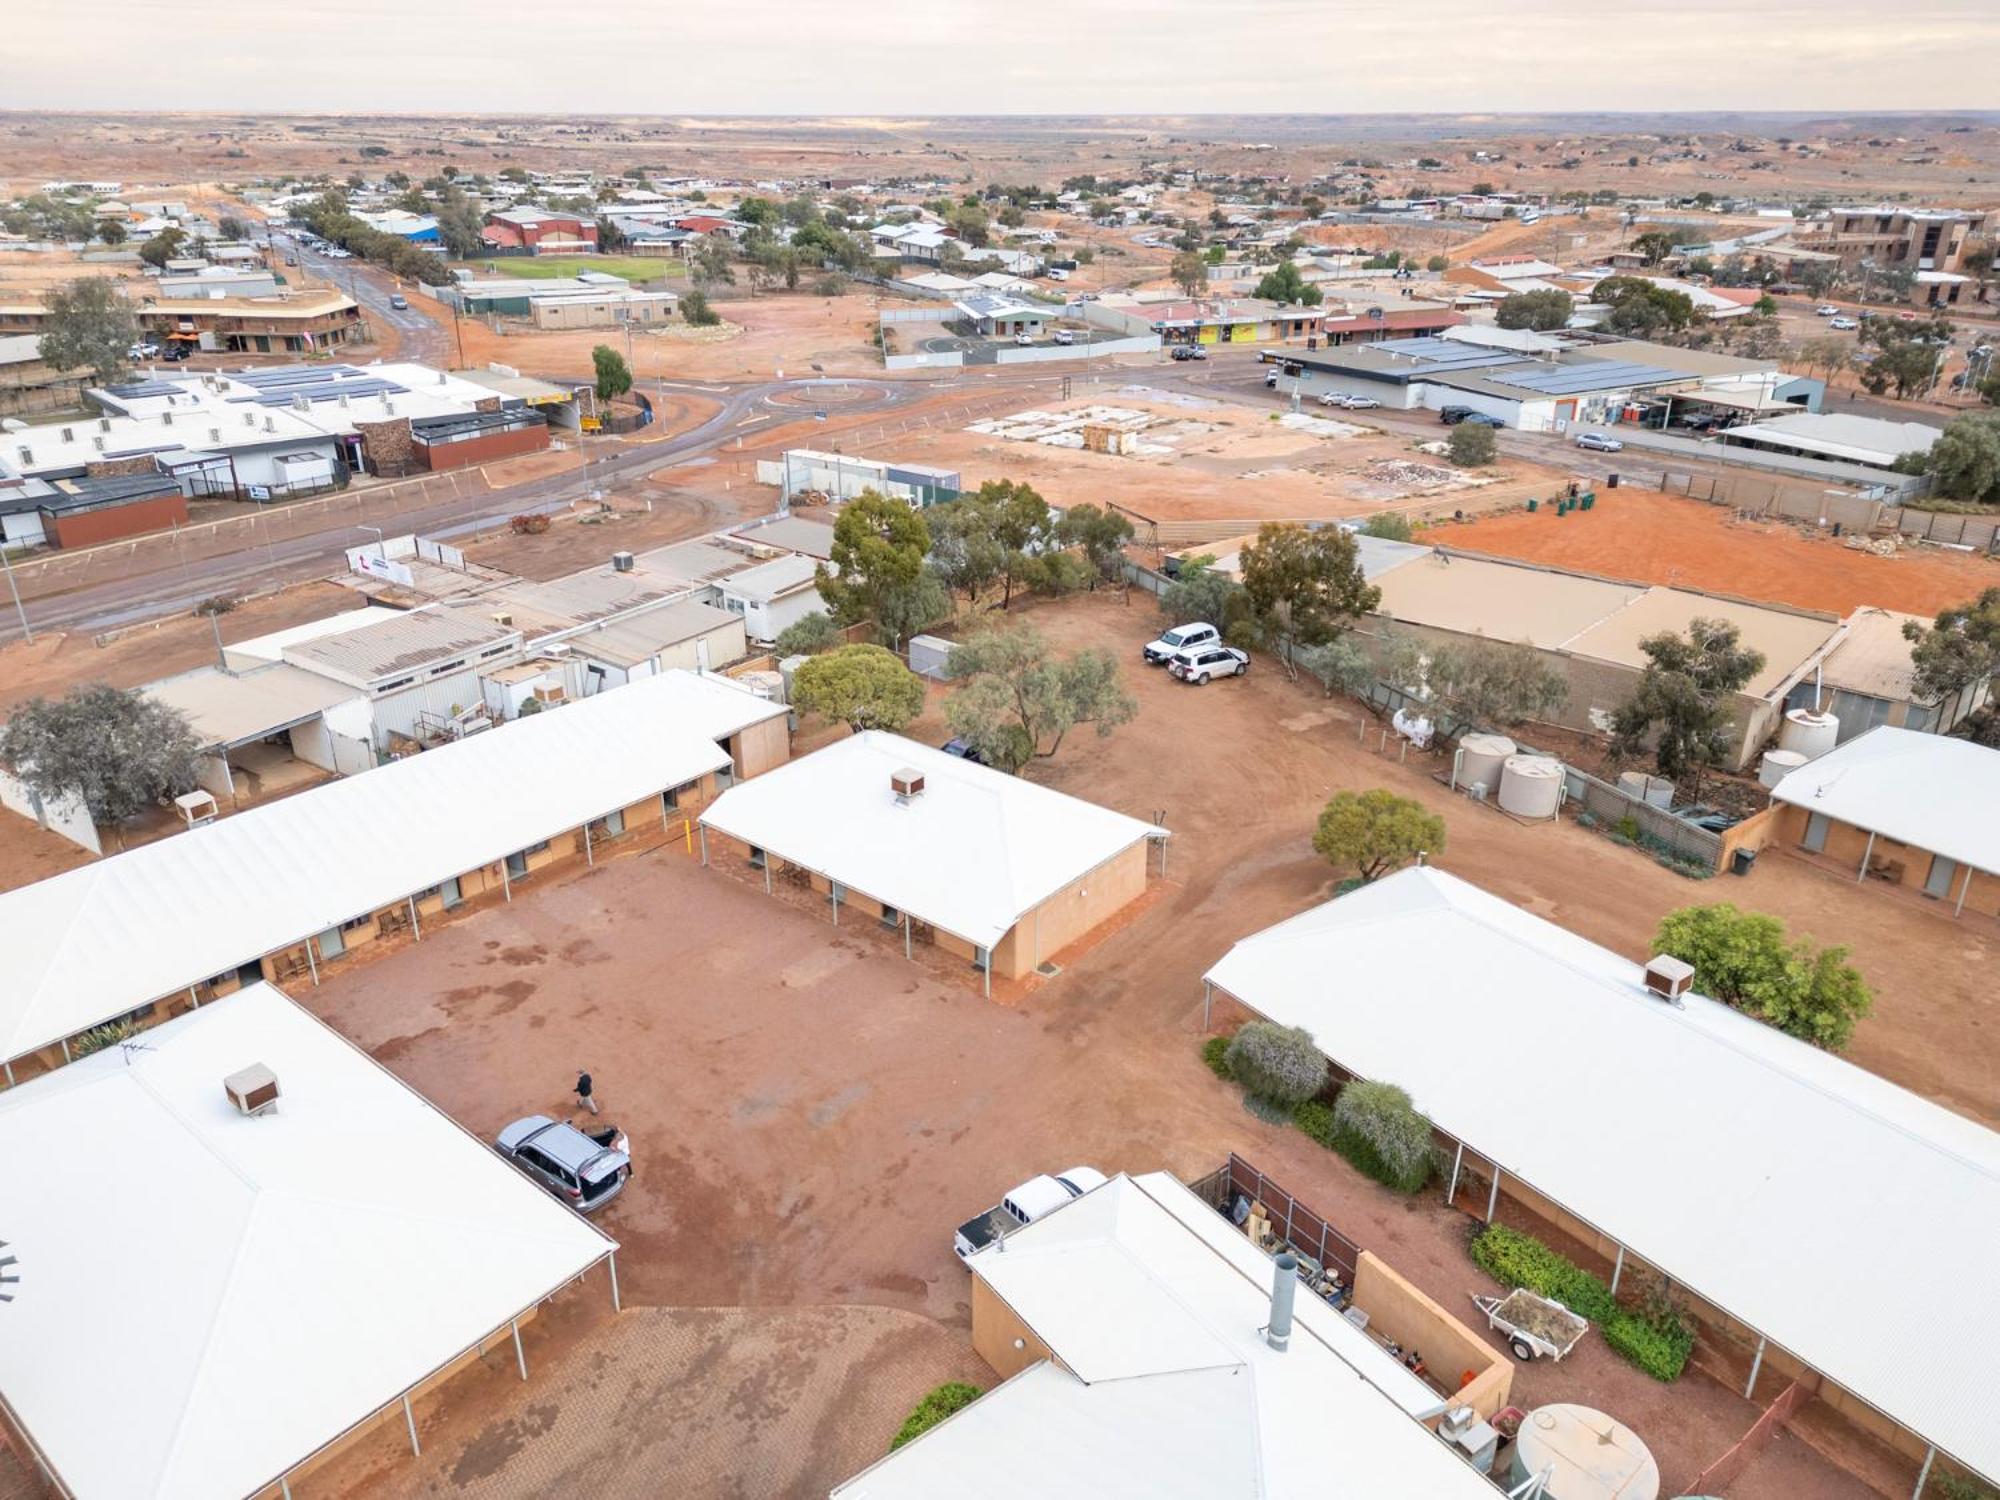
(1929, 790)
(1723, 1152)
(234, 708)
(407, 643)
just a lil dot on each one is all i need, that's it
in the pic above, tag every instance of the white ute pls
(1028, 1202)
(1181, 638)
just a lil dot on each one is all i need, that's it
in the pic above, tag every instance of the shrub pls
(1471, 444)
(1316, 1120)
(695, 309)
(950, 1398)
(1277, 1064)
(1951, 1487)
(1658, 1339)
(99, 1037)
(1379, 1130)
(806, 635)
(1215, 1052)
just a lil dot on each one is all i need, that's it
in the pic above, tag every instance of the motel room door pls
(1943, 873)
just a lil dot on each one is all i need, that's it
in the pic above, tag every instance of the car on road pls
(1598, 442)
(1024, 339)
(1271, 379)
(1201, 663)
(173, 354)
(586, 1171)
(1826, 310)
(1845, 325)
(1189, 351)
(1180, 638)
(1350, 403)
(145, 349)
(1064, 336)
(1451, 416)
(1032, 1200)
(291, 260)
(399, 302)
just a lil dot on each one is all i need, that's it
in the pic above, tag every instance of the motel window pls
(517, 864)
(756, 858)
(331, 943)
(450, 893)
(982, 958)
(400, 682)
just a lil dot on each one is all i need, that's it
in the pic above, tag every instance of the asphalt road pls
(422, 337)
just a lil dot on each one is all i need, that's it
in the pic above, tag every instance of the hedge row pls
(1657, 1341)
(1316, 1120)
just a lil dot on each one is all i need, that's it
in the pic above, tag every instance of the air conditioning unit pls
(621, 562)
(503, 619)
(1668, 977)
(253, 1090)
(907, 784)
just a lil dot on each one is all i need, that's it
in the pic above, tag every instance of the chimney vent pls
(215, 434)
(621, 562)
(1668, 977)
(166, 419)
(253, 1090)
(104, 424)
(908, 785)
(270, 425)
(1284, 1287)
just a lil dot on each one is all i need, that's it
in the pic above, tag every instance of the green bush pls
(99, 1037)
(1658, 1339)
(1316, 1120)
(1278, 1064)
(1952, 1487)
(1379, 1130)
(1215, 1052)
(951, 1397)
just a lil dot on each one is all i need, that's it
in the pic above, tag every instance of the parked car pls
(1024, 338)
(1271, 380)
(963, 751)
(1826, 310)
(1064, 336)
(291, 260)
(1481, 419)
(144, 349)
(1845, 325)
(173, 354)
(1057, 273)
(585, 1171)
(1190, 351)
(1598, 442)
(1358, 403)
(1032, 1200)
(398, 301)
(1180, 638)
(1201, 663)
(1451, 416)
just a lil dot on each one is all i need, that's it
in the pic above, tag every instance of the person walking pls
(585, 1098)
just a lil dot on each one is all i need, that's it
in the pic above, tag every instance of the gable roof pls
(98, 941)
(1928, 790)
(227, 1293)
(1769, 1142)
(973, 854)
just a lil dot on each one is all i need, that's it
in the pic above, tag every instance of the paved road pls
(420, 336)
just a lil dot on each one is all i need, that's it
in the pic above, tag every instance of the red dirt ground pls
(1648, 537)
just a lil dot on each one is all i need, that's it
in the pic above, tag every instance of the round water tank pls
(1480, 760)
(1588, 1455)
(1655, 791)
(1531, 786)
(1811, 734)
(1777, 765)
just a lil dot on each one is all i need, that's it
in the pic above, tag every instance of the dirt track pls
(1661, 539)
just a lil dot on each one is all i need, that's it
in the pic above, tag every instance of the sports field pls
(541, 267)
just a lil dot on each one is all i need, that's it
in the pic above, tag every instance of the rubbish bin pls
(1742, 861)
(1611, 483)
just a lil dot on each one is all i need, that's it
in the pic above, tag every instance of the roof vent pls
(621, 562)
(253, 1090)
(1668, 977)
(215, 434)
(104, 424)
(27, 454)
(97, 442)
(69, 434)
(166, 419)
(270, 425)
(907, 784)
(1284, 1287)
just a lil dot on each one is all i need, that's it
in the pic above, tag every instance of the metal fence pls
(1298, 1228)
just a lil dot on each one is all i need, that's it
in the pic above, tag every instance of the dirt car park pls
(811, 1112)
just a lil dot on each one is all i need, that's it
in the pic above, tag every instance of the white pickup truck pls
(1027, 1203)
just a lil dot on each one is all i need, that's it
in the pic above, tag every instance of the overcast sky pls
(926, 57)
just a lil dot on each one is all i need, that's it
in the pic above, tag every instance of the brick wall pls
(388, 447)
(86, 528)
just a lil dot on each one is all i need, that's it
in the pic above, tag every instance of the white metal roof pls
(1929, 790)
(208, 1298)
(973, 854)
(271, 647)
(1152, 1304)
(1841, 435)
(232, 708)
(1717, 1148)
(100, 940)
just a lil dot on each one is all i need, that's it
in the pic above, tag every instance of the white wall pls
(396, 713)
(765, 620)
(211, 773)
(23, 529)
(67, 818)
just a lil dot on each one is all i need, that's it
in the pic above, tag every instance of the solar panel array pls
(281, 387)
(1588, 375)
(1439, 355)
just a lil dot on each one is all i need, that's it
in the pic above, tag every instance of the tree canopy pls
(1102, 535)
(1494, 684)
(1958, 649)
(1376, 831)
(863, 687)
(1284, 284)
(1190, 272)
(118, 750)
(1303, 588)
(614, 377)
(88, 326)
(1681, 698)
(1744, 959)
(1019, 699)
(877, 570)
(1540, 311)
(1641, 307)
(1965, 461)
(1471, 445)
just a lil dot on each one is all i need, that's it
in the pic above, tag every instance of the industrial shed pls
(211, 1301)
(1918, 811)
(1724, 1153)
(282, 889)
(985, 865)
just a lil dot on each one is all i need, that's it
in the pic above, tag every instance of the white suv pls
(1180, 638)
(1199, 663)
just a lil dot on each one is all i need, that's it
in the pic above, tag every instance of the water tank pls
(1481, 756)
(1810, 734)
(1589, 1456)
(1531, 786)
(1777, 765)
(766, 685)
(1655, 791)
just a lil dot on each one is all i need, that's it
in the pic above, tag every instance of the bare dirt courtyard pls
(812, 1113)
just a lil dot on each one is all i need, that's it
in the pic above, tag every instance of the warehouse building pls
(279, 891)
(217, 1296)
(1130, 1323)
(1693, 1160)
(1917, 811)
(997, 870)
